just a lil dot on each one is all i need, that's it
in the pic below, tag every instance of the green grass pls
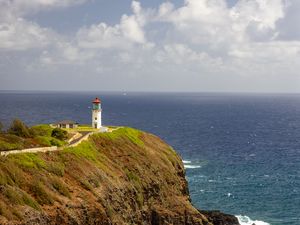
(85, 150)
(40, 137)
(10, 142)
(132, 134)
(6, 146)
(42, 130)
(81, 128)
(49, 141)
(28, 160)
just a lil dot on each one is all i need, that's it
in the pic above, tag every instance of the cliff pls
(123, 177)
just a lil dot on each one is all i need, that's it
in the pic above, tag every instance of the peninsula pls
(67, 173)
(121, 177)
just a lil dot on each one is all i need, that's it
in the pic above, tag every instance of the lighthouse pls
(96, 114)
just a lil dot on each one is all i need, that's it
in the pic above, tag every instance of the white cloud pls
(129, 31)
(20, 34)
(200, 43)
(23, 7)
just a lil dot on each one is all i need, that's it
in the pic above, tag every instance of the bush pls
(60, 187)
(42, 195)
(41, 130)
(55, 142)
(59, 134)
(19, 128)
(56, 168)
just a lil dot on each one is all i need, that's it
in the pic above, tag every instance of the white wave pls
(245, 220)
(186, 161)
(191, 166)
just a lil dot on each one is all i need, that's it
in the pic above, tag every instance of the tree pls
(59, 134)
(19, 128)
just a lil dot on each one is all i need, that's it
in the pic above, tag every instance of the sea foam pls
(245, 220)
(191, 166)
(187, 164)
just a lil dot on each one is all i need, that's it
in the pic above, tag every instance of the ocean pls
(241, 151)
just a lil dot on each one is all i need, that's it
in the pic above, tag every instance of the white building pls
(96, 114)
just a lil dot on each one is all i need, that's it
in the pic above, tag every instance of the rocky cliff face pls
(123, 177)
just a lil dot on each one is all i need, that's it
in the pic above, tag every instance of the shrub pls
(28, 200)
(3, 209)
(60, 187)
(5, 146)
(41, 130)
(56, 168)
(19, 197)
(29, 160)
(13, 195)
(42, 195)
(19, 128)
(55, 142)
(59, 134)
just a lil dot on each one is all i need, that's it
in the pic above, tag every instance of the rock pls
(219, 218)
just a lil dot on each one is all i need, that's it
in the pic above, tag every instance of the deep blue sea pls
(241, 151)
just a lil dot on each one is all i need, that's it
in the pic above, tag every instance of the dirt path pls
(84, 135)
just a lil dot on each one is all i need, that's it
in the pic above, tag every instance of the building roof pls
(64, 122)
(97, 100)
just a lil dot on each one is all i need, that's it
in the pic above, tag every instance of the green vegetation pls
(60, 187)
(125, 132)
(84, 150)
(41, 130)
(28, 160)
(16, 196)
(126, 164)
(57, 168)
(19, 129)
(10, 142)
(42, 196)
(59, 134)
(82, 128)
(19, 136)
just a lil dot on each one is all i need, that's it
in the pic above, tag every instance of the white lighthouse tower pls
(96, 114)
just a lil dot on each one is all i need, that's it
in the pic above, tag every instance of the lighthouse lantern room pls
(96, 114)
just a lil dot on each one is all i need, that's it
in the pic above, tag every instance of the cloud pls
(201, 44)
(129, 31)
(23, 7)
(20, 34)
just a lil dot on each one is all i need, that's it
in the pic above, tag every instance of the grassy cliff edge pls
(123, 177)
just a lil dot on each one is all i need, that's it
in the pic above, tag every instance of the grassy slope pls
(41, 137)
(115, 176)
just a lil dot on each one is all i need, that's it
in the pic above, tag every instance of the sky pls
(157, 45)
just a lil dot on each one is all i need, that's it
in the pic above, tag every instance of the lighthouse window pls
(95, 118)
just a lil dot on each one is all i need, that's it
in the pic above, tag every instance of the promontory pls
(121, 177)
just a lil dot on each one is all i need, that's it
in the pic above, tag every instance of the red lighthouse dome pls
(97, 101)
